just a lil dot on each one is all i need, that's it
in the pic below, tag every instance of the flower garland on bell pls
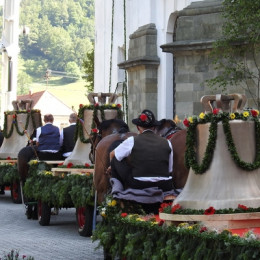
(168, 208)
(96, 107)
(213, 118)
(15, 123)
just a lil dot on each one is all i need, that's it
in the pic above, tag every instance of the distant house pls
(47, 103)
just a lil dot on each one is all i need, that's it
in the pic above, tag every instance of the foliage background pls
(60, 36)
(237, 53)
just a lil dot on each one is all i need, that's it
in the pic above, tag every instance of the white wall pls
(10, 37)
(138, 13)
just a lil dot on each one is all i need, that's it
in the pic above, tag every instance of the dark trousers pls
(122, 171)
(45, 156)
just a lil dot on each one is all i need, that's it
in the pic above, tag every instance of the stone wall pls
(142, 67)
(197, 28)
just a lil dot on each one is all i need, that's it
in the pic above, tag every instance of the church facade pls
(157, 53)
(127, 49)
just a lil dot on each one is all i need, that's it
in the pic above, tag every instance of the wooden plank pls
(214, 217)
(218, 221)
(72, 170)
(232, 224)
(8, 161)
(53, 162)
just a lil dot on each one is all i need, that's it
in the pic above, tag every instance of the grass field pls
(71, 94)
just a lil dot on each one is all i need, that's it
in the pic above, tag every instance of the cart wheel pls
(44, 213)
(16, 192)
(85, 220)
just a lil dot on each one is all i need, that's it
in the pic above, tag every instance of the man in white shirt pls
(150, 157)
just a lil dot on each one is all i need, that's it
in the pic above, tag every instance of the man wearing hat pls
(145, 160)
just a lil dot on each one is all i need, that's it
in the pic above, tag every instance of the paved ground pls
(59, 241)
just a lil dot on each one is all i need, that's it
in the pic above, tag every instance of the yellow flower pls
(111, 203)
(235, 235)
(184, 224)
(232, 116)
(246, 114)
(133, 215)
(103, 214)
(202, 115)
(48, 173)
(139, 219)
(190, 227)
(33, 162)
(113, 105)
(190, 119)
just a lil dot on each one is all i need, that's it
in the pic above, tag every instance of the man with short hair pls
(48, 140)
(150, 157)
(68, 134)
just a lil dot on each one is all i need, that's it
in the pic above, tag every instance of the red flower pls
(215, 111)
(254, 113)
(163, 206)
(14, 115)
(175, 207)
(94, 130)
(87, 165)
(69, 165)
(161, 223)
(96, 105)
(242, 207)
(60, 164)
(81, 105)
(203, 229)
(123, 215)
(143, 117)
(118, 105)
(28, 111)
(8, 158)
(209, 211)
(186, 122)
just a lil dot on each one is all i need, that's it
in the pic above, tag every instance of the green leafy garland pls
(79, 127)
(8, 173)
(168, 209)
(213, 119)
(131, 236)
(66, 191)
(14, 114)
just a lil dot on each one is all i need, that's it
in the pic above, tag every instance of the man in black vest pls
(68, 136)
(150, 157)
(48, 140)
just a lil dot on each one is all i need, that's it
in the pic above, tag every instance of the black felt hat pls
(146, 119)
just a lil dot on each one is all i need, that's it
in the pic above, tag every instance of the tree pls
(60, 32)
(73, 72)
(88, 65)
(237, 54)
(23, 83)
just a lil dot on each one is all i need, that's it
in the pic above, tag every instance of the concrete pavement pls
(58, 241)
